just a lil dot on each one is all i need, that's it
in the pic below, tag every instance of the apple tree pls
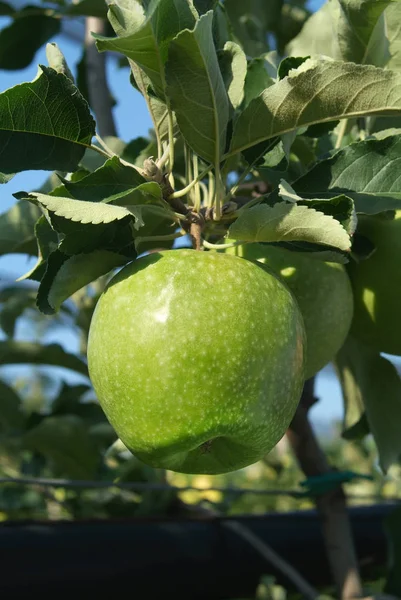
(214, 268)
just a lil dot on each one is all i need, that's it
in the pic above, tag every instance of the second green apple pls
(324, 294)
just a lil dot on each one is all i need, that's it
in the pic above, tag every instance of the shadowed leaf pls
(32, 133)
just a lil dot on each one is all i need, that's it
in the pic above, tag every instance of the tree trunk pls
(331, 505)
(100, 98)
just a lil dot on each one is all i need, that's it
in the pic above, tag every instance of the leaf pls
(318, 91)
(361, 31)
(157, 222)
(292, 20)
(95, 421)
(14, 301)
(287, 193)
(233, 67)
(368, 378)
(274, 166)
(6, 9)
(316, 251)
(133, 149)
(11, 415)
(392, 131)
(258, 78)
(340, 207)
(144, 41)
(222, 30)
(34, 29)
(157, 108)
(30, 118)
(117, 236)
(65, 441)
(17, 233)
(57, 61)
(65, 275)
(289, 222)
(367, 172)
(362, 247)
(144, 38)
(304, 148)
(6, 178)
(274, 158)
(348, 30)
(15, 352)
(203, 6)
(112, 178)
(82, 211)
(316, 36)
(250, 21)
(53, 180)
(86, 238)
(102, 434)
(266, 153)
(354, 420)
(289, 63)
(89, 8)
(360, 427)
(257, 8)
(196, 90)
(47, 241)
(146, 193)
(392, 15)
(320, 129)
(69, 400)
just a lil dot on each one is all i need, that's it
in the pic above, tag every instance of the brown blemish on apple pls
(205, 447)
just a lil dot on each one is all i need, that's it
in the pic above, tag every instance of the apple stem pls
(197, 222)
(331, 505)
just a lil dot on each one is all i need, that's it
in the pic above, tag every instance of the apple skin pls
(323, 292)
(376, 284)
(197, 359)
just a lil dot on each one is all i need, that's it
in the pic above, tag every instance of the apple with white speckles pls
(197, 359)
(323, 292)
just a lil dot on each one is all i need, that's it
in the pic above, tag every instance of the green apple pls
(323, 292)
(376, 284)
(197, 359)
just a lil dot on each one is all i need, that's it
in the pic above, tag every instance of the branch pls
(98, 89)
(274, 559)
(331, 505)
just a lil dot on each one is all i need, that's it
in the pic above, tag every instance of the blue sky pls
(315, 4)
(132, 120)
